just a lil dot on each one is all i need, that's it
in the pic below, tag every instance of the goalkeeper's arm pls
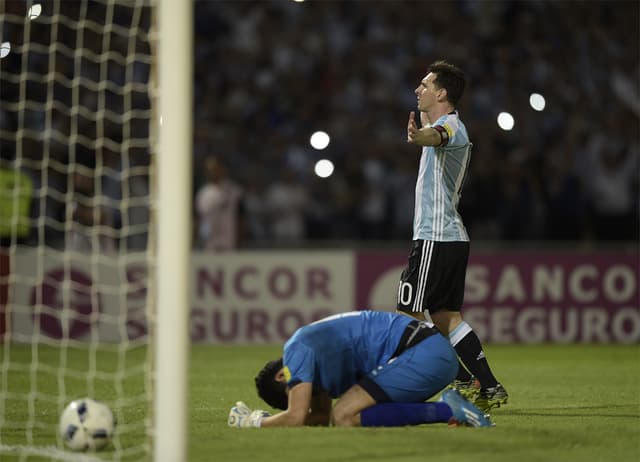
(297, 409)
(301, 410)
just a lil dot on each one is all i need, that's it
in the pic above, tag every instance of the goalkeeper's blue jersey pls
(439, 184)
(336, 352)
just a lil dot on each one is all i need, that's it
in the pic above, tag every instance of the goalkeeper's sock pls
(467, 345)
(401, 414)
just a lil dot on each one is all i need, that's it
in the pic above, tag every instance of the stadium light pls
(537, 101)
(5, 49)
(34, 11)
(319, 140)
(324, 168)
(505, 121)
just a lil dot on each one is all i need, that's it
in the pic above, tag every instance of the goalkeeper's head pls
(271, 386)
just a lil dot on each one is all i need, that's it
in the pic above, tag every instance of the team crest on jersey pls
(287, 373)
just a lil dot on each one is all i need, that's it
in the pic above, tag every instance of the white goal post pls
(95, 222)
(174, 229)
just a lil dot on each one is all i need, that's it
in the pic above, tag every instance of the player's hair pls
(449, 77)
(272, 392)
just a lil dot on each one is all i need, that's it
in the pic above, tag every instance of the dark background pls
(267, 74)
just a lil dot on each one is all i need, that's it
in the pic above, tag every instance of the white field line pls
(48, 451)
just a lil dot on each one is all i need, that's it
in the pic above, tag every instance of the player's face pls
(426, 92)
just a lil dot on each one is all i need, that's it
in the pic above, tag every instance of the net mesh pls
(75, 201)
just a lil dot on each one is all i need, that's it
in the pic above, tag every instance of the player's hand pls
(240, 416)
(419, 136)
(412, 128)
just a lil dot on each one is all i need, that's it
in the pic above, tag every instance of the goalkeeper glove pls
(240, 416)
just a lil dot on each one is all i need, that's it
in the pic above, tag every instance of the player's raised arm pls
(425, 136)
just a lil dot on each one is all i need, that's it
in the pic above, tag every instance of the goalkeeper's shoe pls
(468, 389)
(488, 398)
(464, 412)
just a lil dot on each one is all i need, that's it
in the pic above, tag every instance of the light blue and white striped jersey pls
(439, 185)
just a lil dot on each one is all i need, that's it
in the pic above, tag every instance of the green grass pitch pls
(567, 403)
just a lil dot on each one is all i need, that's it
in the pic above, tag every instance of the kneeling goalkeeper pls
(381, 367)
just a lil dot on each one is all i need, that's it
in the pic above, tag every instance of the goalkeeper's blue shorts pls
(416, 374)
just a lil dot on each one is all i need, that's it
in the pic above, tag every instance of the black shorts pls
(434, 277)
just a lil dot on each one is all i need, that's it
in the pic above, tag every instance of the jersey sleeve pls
(449, 129)
(298, 363)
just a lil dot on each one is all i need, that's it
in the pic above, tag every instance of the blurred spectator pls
(16, 191)
(255, 210)
(402, 188)
(613, 183)
(320, 217)
(286, 203)
(374, 204)
(520, 206)
(91, 226)
(138, 211)
(563, 196)
(217, 206)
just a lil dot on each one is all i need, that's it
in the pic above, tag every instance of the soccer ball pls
(86, 424)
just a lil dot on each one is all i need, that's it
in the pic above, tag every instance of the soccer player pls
(433, 280)
(381, 366)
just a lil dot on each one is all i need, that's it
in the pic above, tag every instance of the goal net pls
(76, 254)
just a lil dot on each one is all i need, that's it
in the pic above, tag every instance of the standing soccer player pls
(434, 278)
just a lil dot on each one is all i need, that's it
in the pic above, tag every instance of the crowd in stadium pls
(269, 74)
